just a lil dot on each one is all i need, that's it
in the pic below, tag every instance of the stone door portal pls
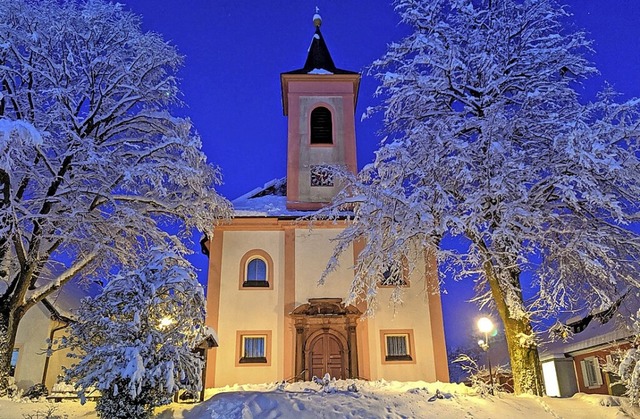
(325, 339)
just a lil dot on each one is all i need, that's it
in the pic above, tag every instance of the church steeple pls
(318, 58)
(320, 101)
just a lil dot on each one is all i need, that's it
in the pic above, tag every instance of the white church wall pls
(249, 310)
(313, 250)
(411, 318)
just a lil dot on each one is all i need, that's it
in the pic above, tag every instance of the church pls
(273, 321)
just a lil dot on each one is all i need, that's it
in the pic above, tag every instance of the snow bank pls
(389, 399)
(358, 399)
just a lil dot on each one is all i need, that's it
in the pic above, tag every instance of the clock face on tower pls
(321, 176)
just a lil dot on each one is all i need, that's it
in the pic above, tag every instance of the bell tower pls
(319, 101)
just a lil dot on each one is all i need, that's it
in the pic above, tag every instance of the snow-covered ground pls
(357, 399)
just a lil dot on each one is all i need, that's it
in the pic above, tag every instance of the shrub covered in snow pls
(483, 381)
(36, 391)
(138, 336)
(629, 367)
(8, 387)
(327, 383)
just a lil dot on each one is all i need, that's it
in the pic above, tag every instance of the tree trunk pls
(9, 321)
(525, 363)
(523, 352)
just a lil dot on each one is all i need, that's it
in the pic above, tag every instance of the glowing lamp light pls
(485, 325)
(166, 322)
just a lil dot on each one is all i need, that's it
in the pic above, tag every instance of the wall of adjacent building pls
(601, 355)
(58, 359)
(31, 341)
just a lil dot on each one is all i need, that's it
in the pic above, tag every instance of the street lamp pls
(485, 325)
(166, 322)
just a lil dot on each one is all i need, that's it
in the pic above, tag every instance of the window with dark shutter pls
(321, 126)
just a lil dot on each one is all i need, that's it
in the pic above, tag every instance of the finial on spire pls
(317, 20)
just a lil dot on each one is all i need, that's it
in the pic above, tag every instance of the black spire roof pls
(319, 60)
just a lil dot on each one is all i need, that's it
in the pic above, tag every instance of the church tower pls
(319, 101)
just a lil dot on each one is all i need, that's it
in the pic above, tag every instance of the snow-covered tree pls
(93, 167)
(135, 340)
(628, 368)
(488, 143)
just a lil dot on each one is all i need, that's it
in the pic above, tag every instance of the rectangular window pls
(591, 375)
(395, 275)
(14, 362)
(397, 346)
(253, 347)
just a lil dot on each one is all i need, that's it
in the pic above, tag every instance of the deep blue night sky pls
(235, 51)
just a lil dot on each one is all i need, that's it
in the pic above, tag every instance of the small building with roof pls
(32, 361)
(273, 320)
(574, 362)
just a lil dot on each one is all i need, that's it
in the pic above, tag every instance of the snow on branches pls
(628, 368)
(97, 169)
(487, 141)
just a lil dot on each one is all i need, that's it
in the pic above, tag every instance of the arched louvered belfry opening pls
(321, 126)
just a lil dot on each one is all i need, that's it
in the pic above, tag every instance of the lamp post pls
(485, 325)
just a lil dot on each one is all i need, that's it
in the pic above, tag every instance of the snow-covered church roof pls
(63, 302)
(270, 200)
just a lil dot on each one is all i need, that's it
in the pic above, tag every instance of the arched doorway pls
(326, 354)
(325, 339)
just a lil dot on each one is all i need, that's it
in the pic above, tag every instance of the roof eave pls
(285, 78)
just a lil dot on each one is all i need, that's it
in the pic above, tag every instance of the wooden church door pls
(327, 356)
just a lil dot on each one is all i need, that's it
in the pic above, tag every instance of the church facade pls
(273, 321)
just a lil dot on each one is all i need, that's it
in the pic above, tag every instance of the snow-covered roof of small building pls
(66, 300)
(600, 328)
(210, 339)
(63, 302)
